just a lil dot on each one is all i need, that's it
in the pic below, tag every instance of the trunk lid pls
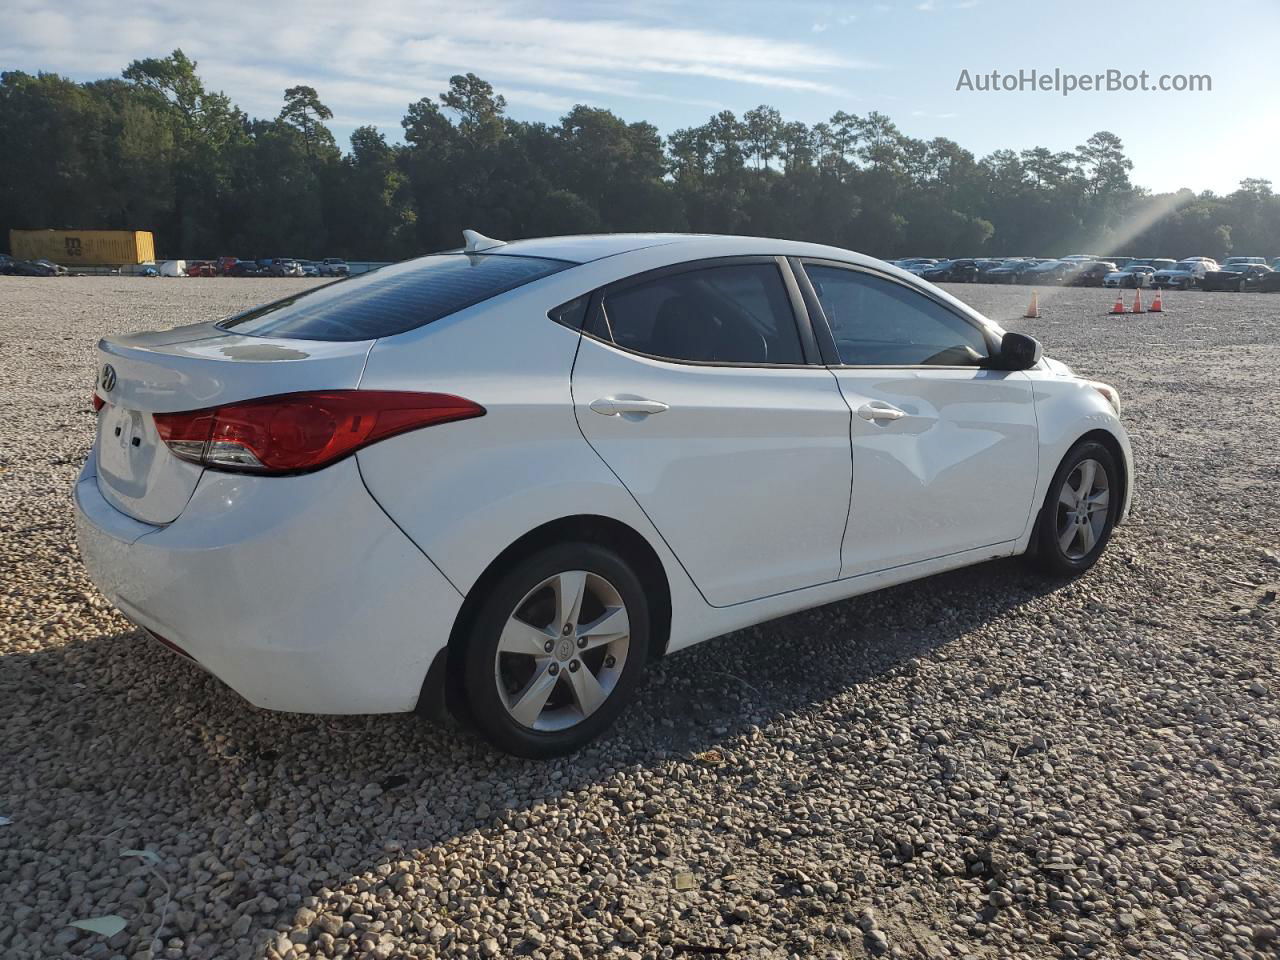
(191, 368)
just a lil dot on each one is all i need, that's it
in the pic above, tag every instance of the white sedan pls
(503, 479)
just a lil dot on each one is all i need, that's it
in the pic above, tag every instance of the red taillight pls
(303, 431)
(98, 402)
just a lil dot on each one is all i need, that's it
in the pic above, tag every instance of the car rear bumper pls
(297, 592)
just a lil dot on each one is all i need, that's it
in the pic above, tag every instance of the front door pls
(945, 452)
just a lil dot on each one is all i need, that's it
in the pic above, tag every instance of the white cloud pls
(370, 61)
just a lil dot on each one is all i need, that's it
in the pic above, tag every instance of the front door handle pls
(879, 410)
(613, 406)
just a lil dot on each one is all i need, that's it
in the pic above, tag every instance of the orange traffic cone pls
(1156, 305)
(1137, 301)
(1118, 306)
(1033, 308)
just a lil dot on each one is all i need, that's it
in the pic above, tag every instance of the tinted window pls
(879, 322)
(571, 314)
(394, 299)
(737, 313)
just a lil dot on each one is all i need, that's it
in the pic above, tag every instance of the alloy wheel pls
(1083, 504)
(562, 651)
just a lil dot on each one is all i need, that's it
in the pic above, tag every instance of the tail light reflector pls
(297, 432)
(98, 402)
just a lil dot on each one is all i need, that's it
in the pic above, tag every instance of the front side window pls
(732, 313)
(394, 299)
(878, 322)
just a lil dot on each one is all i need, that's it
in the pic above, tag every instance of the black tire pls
(485, 702)
(1046, 550)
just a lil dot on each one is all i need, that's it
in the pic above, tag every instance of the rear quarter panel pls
(465, 491)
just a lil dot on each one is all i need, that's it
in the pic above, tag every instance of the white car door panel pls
(956, 470)
(742, 466)
(745, 474)
(945, 451)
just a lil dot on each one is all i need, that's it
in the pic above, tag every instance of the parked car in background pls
(1242, 260)
(985, 267)
(334, 267)
(1084, 257)
(1270, 282)
(224, 265)
(952, 271)
(1242, 277)
(1156, 263)
(466, 487)
(247, 268)
(919, 265)
(1050, 271)
(309, 268)
(1090, 274)
(281, 266)
(1012, 271)
(1275, 264)
(1122, 262)
(1184, 274)
(34, 268)
(1254, 275)
(1131, 276)
(201, 268)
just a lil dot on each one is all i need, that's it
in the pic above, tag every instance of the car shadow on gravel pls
(723, 688)
(124, 717)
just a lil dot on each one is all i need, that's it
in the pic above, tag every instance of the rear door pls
(945, 452)
(694, 386)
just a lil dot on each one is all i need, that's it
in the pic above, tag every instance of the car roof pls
(587, 248)
(583, 248)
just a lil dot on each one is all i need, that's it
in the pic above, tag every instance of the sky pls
(674, 63)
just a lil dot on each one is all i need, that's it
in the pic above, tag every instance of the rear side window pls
(394, 299)
(877, 322)
(736, 313)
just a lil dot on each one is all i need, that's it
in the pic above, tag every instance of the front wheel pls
(557, 650)
(1079, 512)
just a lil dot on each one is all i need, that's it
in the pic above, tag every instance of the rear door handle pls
(879, 410)
(613, 406)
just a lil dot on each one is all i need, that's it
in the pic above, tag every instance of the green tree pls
(305, 113)
(156, 150)
(480, 111)
(204, 126)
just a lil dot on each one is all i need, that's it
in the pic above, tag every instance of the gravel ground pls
(983, 764)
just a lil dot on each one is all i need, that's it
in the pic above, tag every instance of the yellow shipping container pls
(84, 248)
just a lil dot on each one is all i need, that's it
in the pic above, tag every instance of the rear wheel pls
(557, 651)
(1079, 512)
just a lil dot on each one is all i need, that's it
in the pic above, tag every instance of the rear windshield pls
(394, 299)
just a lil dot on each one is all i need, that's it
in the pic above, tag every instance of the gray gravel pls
(984, 764)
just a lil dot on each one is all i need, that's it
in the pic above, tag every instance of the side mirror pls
(1017, 352)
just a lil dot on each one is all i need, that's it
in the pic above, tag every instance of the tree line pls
(155, 149)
